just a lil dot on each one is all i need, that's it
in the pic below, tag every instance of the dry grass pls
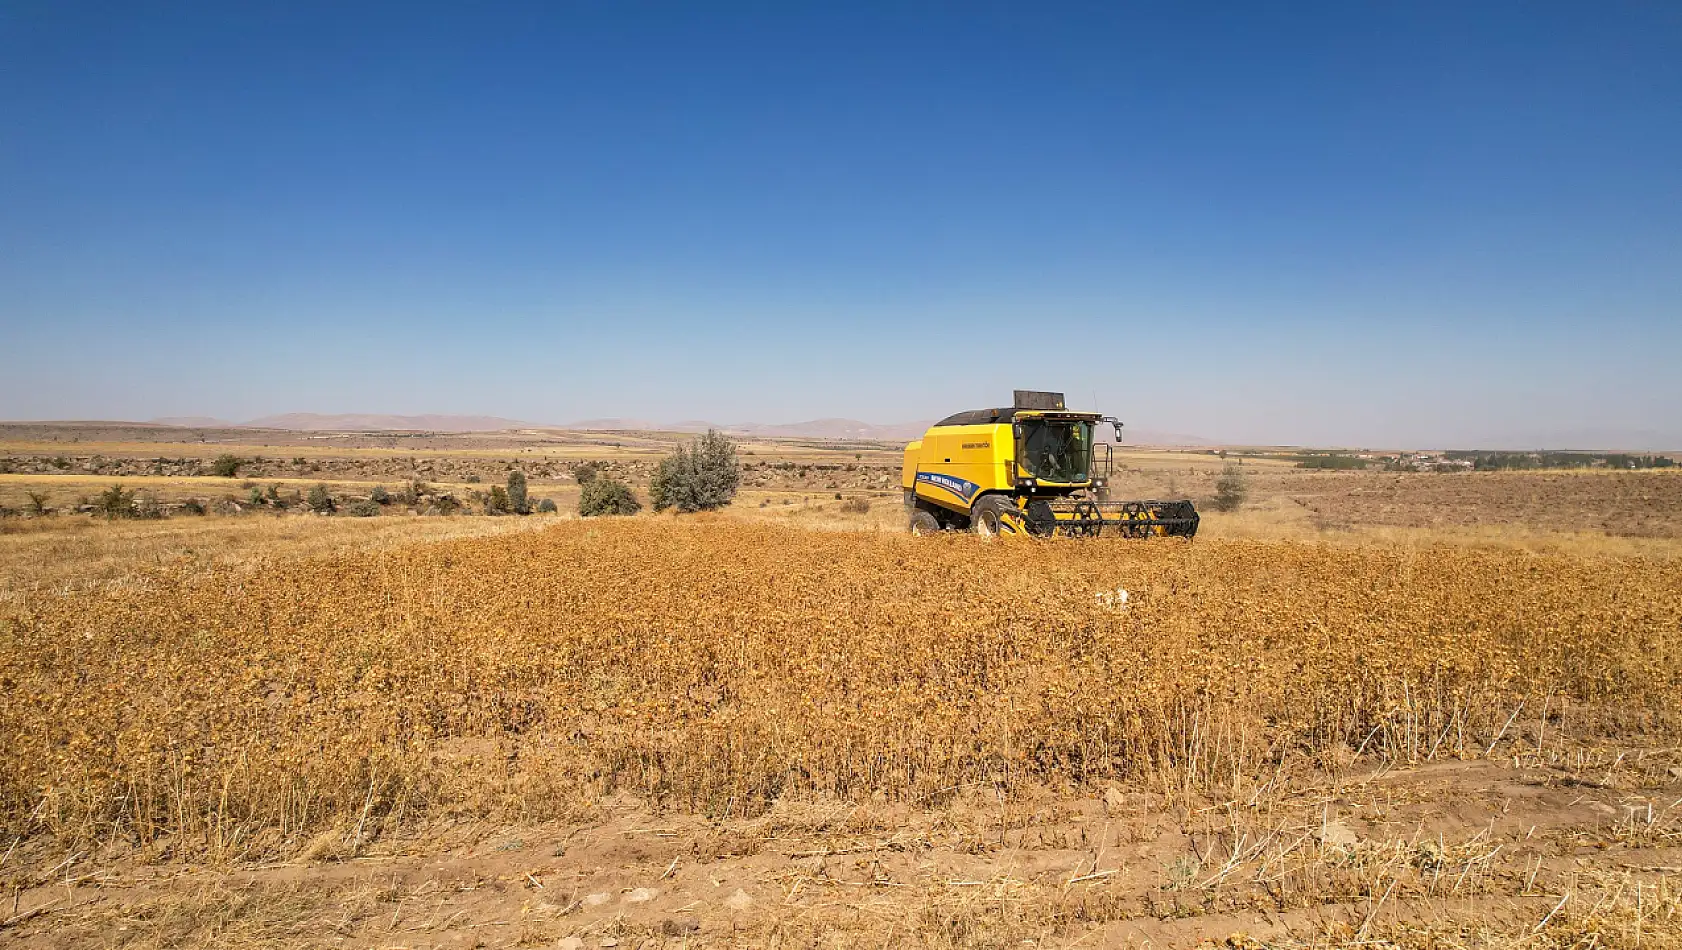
(720, 667)
(1278, 519)
(48, 558)
(942, 722)
(64, 490)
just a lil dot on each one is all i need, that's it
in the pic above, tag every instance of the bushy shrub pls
(379, 495)
(1231, 488)
(585, 472)
(227, 466)
(700, 476)
(116, 502)
(547, 506)
(254, 498)
(366, 508)
(517, 499)
(496, 503)
(193, 506)
(37, 502)
(607, 496)
(320, 499)
(412, 493)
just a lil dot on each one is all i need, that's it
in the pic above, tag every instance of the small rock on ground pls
(1338, 835)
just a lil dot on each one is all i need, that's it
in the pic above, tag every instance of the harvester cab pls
(1035, 468)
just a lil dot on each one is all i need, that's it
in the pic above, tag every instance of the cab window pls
(1057, 451)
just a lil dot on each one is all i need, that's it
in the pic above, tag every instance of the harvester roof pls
(983, 417)
(1041, 405)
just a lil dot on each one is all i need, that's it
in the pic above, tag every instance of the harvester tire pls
(924, 523)
(990, 511)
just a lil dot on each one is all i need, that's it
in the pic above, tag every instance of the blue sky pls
(1420, 223)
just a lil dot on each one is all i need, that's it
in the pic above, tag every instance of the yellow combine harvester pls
(1034, 468)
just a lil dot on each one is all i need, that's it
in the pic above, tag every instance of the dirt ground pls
(1447, 849)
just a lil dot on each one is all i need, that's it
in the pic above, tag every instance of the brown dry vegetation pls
(979, 743)
(47, 558)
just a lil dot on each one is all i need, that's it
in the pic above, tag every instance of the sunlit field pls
(342, 690)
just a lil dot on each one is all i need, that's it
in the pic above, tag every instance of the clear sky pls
(1351, 223)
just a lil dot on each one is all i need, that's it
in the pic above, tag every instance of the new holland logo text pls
(957, 486)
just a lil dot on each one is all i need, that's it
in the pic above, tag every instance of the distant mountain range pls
(364, 422)
(353, 422)
(192, 422)
(851, 429)
(814, 429)
(1603, 438)
(836, 429)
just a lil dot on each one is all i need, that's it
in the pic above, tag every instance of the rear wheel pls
(924, 523)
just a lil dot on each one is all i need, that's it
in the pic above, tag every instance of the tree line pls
(1507, 461)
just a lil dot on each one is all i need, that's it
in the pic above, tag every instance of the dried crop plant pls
(721, 667)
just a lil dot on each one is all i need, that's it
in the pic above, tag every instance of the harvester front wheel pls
(996, 514)
(924, 523)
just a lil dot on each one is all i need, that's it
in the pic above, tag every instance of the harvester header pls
(1034, 467)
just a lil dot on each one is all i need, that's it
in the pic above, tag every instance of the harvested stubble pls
(716, 665)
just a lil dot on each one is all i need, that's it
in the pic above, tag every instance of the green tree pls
(116, 502)
(227, 466)
(320, 499)
(584, 472)
(607, 496)
(517, 501)
(496, 503)
(414, 492)
(1231, 488)
(700, 476)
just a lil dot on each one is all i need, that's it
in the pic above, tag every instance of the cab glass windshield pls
(1057, 451)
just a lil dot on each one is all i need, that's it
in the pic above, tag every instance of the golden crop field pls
(339, 704)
